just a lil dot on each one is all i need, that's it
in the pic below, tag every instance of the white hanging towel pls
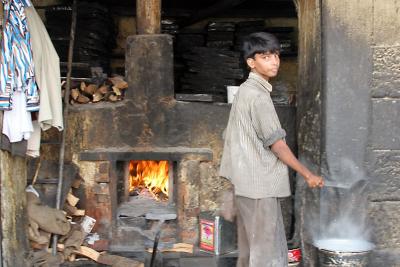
(17, 123)
(47, 74)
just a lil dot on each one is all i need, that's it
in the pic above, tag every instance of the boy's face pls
(265, 64)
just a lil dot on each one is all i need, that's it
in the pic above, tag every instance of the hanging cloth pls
(47, 74)
(17, 68)
(17, 123)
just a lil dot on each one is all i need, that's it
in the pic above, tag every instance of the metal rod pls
(65, 118)
(155, 245)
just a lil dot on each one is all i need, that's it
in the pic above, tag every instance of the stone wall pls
(14, 222)
(384, 130)
(354, 114)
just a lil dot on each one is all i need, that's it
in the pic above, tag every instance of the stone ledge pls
(156, 153)
(385, 229)
(385, 257)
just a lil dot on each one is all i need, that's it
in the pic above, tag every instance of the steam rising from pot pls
(343, 224)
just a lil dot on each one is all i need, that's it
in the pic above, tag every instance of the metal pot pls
(327, 258)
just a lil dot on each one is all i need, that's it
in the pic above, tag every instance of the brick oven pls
(121, 213)
(148, 125)
(151, 125)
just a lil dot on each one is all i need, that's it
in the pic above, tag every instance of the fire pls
(149, 174)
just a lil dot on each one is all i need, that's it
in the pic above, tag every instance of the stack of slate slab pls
(169, 26)
(94, 36)
(244, 28)
(220, 35)
(186, 40)
(210, 70)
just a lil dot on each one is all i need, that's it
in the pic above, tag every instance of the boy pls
(255, 159)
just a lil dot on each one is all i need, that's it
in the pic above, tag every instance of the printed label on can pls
(294, 255)
(88, 224)
(207, 235)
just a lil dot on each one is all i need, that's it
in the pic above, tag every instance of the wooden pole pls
(65, 116)
(148, 16)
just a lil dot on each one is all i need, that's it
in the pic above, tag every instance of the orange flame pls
(150, 174)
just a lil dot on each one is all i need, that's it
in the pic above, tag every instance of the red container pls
(294, 255)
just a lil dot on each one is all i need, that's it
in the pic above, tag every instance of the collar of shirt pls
(261, 80)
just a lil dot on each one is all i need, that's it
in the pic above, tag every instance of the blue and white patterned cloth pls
(16, 67)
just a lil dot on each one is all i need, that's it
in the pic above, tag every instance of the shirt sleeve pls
(266, 122)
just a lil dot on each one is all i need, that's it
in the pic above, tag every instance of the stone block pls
(385, 228)
(104, 167)
(386, 72)
(127, 239)
(101, 189)
(384, 172)
(102, 178)
(385, 125)
(386, 16)
(385, 257)
(103, 198)
(189, 171)
(149, 66)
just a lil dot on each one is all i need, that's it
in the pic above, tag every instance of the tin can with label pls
(294, 255)
(217, 235)
(88, 224)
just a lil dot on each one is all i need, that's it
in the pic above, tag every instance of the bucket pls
(231, 90)
(343, 252)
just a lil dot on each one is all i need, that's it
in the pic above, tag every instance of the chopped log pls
(178, 247)
(119, 82)
(103, 89)
(72, 200)
(111, 96)
(120, 261)
(116, 90)
(84, 251)
(97, 97)
(90, 89)
(74, 94)
(81, 99)
(71, 210)
(82, 86)
(72, 257)
(79, 213)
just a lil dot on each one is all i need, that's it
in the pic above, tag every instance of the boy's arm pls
(283, 152)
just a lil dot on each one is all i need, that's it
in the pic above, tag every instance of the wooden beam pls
(148, 16)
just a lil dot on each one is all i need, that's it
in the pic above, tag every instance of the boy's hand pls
(314, 181)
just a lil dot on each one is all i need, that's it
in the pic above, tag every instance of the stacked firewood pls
(73, 228)
(112, 90)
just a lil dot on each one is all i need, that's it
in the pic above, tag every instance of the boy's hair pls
(259, 42)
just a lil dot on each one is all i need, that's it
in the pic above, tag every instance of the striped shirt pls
(16, 66)
(253, 127)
